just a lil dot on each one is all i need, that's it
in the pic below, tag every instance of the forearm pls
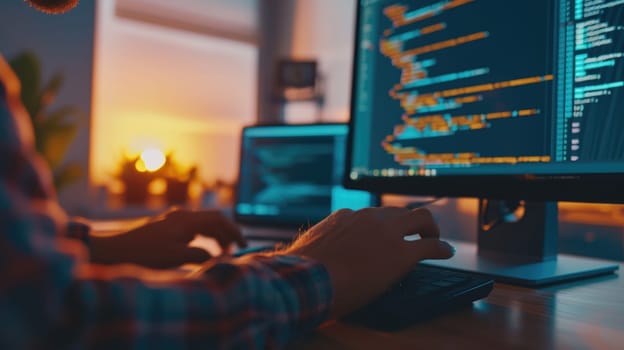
(101, 248)
(104, 249)
(258, 302)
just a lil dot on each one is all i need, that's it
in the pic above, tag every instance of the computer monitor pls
(519, 101)
(291, 175)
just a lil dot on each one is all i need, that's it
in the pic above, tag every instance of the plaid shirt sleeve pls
(256, 303)
(50, 297)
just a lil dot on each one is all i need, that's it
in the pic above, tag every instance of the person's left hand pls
(164, 242)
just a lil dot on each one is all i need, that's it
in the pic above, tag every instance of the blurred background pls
(139, 104)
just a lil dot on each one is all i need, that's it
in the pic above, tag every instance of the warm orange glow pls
(195, 190)
(468, 206)
(116, 187)
(140, 166)
(183, 94)
(213, 146)
(157, 187)
(153, 159)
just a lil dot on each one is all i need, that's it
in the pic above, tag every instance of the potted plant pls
(178, 182)
(135, 182)
(56, 129)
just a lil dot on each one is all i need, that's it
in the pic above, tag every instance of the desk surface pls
(580, 315)
(588, 314)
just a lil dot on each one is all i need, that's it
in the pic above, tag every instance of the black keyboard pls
(424, 293)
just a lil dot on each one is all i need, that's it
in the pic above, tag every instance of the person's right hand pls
(365, 251)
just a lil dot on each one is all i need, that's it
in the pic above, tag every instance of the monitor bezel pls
(591, 188)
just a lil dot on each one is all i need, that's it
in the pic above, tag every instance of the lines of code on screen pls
(488, 86)
(288, 176)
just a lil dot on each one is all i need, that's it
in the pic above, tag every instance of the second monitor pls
(291, 175)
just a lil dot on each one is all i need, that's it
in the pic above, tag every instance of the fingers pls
(210, 224)
(226, 231)
(408, 222)
(402, 221)
(194, 255)
(422, 222)
(428, 248)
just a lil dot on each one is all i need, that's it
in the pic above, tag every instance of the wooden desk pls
(581, 315)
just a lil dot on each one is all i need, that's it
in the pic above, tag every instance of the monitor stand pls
(517, 244)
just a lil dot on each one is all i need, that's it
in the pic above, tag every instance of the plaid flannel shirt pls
(50, 296)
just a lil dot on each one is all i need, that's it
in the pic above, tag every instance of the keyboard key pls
(456, 279)
(443, 283)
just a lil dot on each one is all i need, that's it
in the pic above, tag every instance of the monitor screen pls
(489, 98)
(291, 175)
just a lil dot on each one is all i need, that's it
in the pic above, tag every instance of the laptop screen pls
(291, 175)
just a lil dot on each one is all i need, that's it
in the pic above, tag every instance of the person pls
(117, 292)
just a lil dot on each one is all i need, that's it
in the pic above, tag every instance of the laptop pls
(290, 178)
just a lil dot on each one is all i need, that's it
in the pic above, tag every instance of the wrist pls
(309, 279)
(79, 230)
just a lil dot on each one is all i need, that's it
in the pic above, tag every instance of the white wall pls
(324, 30)
(182, 91)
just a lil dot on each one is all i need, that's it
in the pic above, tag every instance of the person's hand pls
(164, 242)
(365, 251)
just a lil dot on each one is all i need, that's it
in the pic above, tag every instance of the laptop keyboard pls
(424, 293)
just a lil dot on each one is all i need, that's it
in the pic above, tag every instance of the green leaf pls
(54, 132)
(62, 116)
(28, 69)
(57, 120)
(49, 93)
(55, 143)
(67, 175)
